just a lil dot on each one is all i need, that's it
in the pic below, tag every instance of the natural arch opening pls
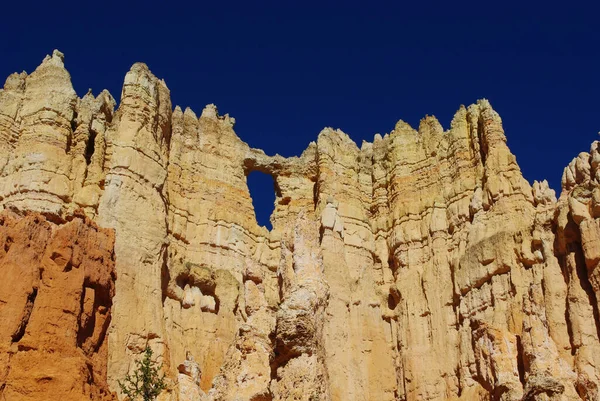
(263, 190)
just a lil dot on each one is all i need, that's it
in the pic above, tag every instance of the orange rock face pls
(56, 289)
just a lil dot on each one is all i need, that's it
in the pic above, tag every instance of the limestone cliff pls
(421, 266)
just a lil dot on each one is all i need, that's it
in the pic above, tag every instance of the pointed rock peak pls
(52, 77)
(342, 134)
(483, 108)
(460, 117)
(87, 102)
(107, 99)
(89, 96)
(473, 109)
(15, 82)
(402, 126)
(377, 138)
(210, 111)
(189, 113)
(139, 67)
(310, 150)
(486, 110)
(230, 120)
(58, 54)
(430, 119)
(337, 136)
(105, 94)
(140, 75)
(327, 131)
(430, 125)
(103, 103)
(484, 104)
(366, 146)
(164, 89)
(543, 194)
(57, 59)
(177, 127)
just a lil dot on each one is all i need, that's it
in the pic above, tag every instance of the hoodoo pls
(421, 266)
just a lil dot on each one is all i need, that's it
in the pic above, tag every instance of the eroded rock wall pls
(421, 266)
(55, 307)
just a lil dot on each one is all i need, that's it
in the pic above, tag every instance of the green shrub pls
(146, 381)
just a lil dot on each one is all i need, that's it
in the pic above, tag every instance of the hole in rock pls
(393, 298)
(263, 189)
(72, 133)
(392, 302)
(8, 244)
(90, 147)
(207, 287)
(520, 361)
(86, 323)
(16, 337)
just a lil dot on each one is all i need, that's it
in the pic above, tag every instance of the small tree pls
(146, 381)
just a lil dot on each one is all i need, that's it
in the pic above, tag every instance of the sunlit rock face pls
(55, 307)
(421, 266)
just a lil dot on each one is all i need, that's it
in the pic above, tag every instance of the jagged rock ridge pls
(421, 266)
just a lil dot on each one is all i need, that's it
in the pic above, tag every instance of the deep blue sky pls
(285, 71)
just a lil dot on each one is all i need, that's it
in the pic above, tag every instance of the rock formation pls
(421, 266)
(55, 307)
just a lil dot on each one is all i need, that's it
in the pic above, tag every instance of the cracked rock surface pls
(55, 307)
(420, 266)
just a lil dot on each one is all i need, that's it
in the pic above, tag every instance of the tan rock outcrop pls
(421, 266)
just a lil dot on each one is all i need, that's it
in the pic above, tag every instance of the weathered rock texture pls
(55, 301)
(422, 266)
